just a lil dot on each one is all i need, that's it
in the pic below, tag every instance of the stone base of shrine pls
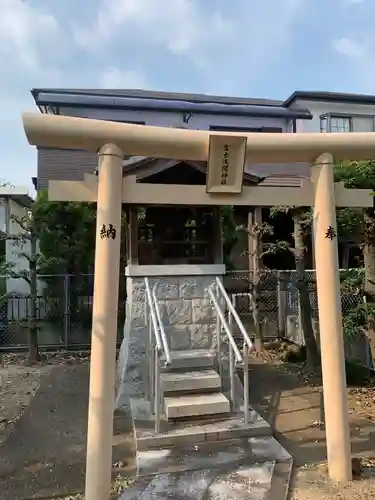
(185, 309)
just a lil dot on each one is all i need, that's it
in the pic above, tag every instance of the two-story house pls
(337, 112)
(196, 111)
(334, 111)
(164, 109)
(15, 203)
(303, 111)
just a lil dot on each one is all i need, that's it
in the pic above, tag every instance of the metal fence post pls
(66, 311)
(301, 335)
(281, 307)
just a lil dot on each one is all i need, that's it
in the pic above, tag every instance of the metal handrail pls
(153, 315)
(153, 360)
(154, 354)
(233, 349)
(234, 313)
(167, 353)
(226, 327)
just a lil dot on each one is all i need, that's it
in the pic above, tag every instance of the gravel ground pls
(312, 483)
(18, 385)
(43, 435)
(42, 467)
(296, 418)
(19, 382)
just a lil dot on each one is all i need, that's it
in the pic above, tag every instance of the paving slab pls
(201, 457)
(192, 432)
(279, 487)
(237, 482)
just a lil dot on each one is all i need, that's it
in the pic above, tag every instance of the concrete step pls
(204, 380)
(192, 359)
(196, 405)
(225, 455)
(234, 482)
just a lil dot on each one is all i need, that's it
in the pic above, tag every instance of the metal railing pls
(218, 294)
(157, 346)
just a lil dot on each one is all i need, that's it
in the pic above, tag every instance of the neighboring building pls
(165, 109)
(15, 202)
(337, 112)
(195, 111)
(334, 111)
(301, 112)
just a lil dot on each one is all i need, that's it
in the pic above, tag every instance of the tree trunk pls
(255, 296)
(312, 353)
(345, 256)
(33, 354)
(369, 263)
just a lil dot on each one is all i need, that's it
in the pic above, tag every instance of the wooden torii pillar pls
(226, 154)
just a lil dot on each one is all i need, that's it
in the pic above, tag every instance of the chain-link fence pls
(63, 307)
(240, 285)
(279, 307)
(63, 310)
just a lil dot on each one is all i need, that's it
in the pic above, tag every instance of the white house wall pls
(360, 124)
(54, 164)
(3, 212)
(175, 119)
(17, 307)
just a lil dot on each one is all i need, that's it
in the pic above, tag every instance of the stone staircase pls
(196, 405)
(202, 431)
(192, 387)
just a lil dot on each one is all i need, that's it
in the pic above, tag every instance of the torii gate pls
(226, 154)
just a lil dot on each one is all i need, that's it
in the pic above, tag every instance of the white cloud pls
(24, 30)
(359, 61)
(353, 2)
(180, 26)
(349, 47)
(115, 78)
(224, 44)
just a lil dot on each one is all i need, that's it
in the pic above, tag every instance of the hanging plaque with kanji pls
(226, 164)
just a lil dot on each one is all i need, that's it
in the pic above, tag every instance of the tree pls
(350, 231)
(25, 243)
(302, 219)
(67, 233)
(257, 231)
(360, 222)
(229, 236)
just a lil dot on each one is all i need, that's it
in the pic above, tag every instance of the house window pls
(324, 124)
(340, 124)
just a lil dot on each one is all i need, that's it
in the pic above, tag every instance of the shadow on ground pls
(294, 411)
(45, 454)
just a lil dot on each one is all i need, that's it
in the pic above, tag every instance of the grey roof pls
(161, 95)
(342, 97)
(56, 98)
(311, 95)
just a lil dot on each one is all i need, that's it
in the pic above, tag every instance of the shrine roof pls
(145, 167)
(276, 174)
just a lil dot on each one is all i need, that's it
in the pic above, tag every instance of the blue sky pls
(257, 48)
